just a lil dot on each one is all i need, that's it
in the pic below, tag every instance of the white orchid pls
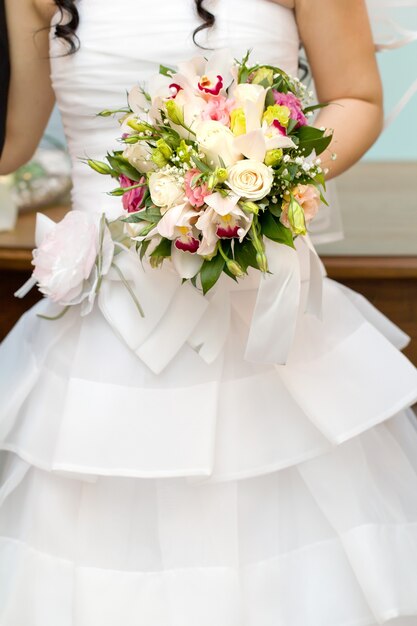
(179, 225)
(206, 77)
(224, 219)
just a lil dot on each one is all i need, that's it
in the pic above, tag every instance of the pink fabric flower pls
(308, 198)
(218, 109)
(195, 193)
(293, 103)
(133, 199)
(65, 260)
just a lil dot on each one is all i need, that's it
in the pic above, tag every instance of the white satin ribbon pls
(275, 314)
(277, 306)
(176, 313)
(171, 310)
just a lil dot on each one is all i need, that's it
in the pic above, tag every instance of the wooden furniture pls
(389, 282)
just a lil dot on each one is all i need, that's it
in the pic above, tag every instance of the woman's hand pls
(31, 97)
(337, 38)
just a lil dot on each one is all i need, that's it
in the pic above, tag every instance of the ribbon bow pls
(176, 313)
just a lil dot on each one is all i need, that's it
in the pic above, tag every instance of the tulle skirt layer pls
(234, 494)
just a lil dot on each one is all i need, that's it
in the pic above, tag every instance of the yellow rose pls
(277, 112)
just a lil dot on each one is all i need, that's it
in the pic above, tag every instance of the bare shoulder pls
(290, 4)
(45, 10)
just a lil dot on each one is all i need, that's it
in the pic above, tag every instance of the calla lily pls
(256, 94)
(259, 137)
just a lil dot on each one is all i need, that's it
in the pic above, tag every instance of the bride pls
(228, 493)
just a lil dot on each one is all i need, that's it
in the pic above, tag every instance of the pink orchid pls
(133, 199)
(195, 192)
(291, 101)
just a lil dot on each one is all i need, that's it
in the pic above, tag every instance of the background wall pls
(399, 142)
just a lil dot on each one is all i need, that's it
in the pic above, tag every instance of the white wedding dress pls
(222, 494)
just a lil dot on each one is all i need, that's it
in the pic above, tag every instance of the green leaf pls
(320, 180)
(309, 133)
(273, 229)
(269, 99)
(143, 248)
(222, 163)
(245, 254)
(163, 249)
(315, 107)
(166, 71)
(135, 218)
(210, 272)
(322, 144)
(275, 209)
(170, 135)
(291, 125)
(122, 166)
(201, 165)
(311, 138)
(229, 273)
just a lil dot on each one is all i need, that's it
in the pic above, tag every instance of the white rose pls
(250, 179)
(137, 154)
(246, 92)
(216, 140)
(164, 189)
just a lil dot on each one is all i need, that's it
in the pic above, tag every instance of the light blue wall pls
(399, 141)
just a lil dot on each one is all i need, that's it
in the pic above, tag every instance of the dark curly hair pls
(67, 26)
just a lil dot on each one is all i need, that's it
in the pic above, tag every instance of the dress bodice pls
(123, 43)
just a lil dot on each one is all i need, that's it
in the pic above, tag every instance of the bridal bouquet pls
(214, 160)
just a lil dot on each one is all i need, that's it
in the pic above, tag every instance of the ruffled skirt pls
(229, 494)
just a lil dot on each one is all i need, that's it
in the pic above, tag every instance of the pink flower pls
(65, 260)
(293, 103)
(133, 199)
(218, 109)
(195, 193)
(308, 197)
(281, 129)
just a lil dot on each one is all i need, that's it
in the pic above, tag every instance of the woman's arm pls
(31, 97)
(338, 42)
